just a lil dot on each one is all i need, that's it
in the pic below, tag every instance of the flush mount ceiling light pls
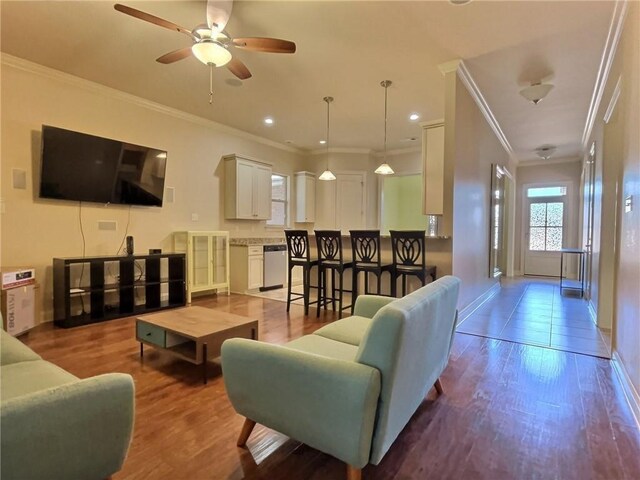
(536, 92)
(414, 117)
(268, 121)
(327, 174)
(385, 169)
(545, 151)
(322, 142)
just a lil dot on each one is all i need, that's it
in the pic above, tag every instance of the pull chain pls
(210, 83)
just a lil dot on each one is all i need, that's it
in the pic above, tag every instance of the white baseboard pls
(630, 393)
(473, 306)
(592, 312)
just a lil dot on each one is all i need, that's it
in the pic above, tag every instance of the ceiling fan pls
(212, 45)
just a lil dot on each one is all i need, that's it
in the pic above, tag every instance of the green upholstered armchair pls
(351, 387)
(56, 426)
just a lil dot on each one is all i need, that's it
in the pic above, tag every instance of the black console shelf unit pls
(95, 289)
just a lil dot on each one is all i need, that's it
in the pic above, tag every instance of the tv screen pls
(81, 167)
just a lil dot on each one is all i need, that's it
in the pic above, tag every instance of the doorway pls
(350, 201)
(545, 228)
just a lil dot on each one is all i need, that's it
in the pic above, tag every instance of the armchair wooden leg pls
(247, 428)
(354, 473)
(438, 386)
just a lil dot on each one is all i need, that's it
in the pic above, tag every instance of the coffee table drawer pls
(151, 333)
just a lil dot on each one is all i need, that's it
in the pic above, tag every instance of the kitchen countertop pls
(244, 242)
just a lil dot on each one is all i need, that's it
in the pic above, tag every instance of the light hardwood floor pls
(510, 411)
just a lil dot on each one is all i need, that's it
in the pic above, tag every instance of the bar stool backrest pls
(298, 245)
(329, 245)
(365, 246)
(408, 247)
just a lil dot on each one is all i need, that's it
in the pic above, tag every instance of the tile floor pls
(532, 311)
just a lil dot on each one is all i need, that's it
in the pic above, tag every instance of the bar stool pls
(408, 249)
(365, 247)
(330, 258)
(299, 256)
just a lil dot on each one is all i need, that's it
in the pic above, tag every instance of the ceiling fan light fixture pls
(211, 52)
(536, 92)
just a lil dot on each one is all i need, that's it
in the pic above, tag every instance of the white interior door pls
(545, 232)
(350, 202)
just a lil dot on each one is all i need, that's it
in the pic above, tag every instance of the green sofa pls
(54, 425)
(351, 387)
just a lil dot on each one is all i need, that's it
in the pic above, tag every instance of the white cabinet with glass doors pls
(207, 260)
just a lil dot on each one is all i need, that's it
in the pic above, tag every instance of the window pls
(545, 226)
(279, 201)
(546, 192)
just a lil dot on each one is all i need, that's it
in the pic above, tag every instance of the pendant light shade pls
(327, 175)
(211, 52)
(385, 169)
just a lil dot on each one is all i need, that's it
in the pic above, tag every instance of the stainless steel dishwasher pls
(275, 267)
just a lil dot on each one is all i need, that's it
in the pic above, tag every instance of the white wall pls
(34, 231)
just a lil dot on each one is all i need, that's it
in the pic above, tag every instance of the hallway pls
(531, 311)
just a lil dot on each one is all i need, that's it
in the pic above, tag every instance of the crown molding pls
(432, 123)
(614, 100)
(477, 96)
(7, 60)
(399, 151)
(606, 61)
(450, 66)
(360, 151)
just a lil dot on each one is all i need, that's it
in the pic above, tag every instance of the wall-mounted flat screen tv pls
(81, 167)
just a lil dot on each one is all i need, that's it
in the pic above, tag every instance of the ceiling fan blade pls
(174, 56)
(239, 69)
(218, 13)
(147, 17)
(260, 44)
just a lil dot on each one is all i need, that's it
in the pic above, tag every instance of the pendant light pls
(327, 174)
(385, 169)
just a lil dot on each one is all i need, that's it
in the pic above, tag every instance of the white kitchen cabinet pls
(247, 271)
(433, 168)
(305, 197)
(247, 188)
(207, 260)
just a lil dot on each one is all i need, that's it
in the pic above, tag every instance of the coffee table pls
(194, 334)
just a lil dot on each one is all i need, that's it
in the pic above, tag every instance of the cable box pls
(13, 277)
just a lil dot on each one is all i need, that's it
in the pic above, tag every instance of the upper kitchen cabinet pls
(433, 168)
(305, 197)
(247, 188)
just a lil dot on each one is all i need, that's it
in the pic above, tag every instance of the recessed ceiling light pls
(268, 121)
(288, 141)
(414, 116)
(322, 142)
(459, 2)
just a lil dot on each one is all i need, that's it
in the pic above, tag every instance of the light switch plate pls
(195, 217)
(170, 194)
(19, 178)
(107, 225)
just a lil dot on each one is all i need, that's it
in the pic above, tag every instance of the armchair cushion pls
(324, 346)
(349, 330)
(26, 377)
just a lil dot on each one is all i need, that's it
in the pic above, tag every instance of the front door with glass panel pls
(545, 229)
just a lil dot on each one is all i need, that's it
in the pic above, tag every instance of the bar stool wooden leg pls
(354, 289)
(306, 288)
(289, 288)
(333, 289)
(340, 273)
(319, 304)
